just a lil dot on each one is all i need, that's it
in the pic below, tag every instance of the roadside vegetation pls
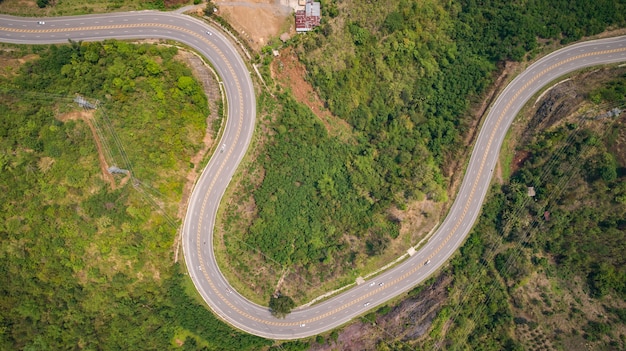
(547, 272)
(543, 272)
(406, 78)
(86, 264)
(281, 306)
(551, 267)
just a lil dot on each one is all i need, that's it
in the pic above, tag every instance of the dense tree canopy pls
(281, 305)
(83, 266)
(403, 76)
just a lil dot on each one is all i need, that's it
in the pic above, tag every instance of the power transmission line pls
(548, 167)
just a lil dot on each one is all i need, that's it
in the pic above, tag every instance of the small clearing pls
(87, 116)
(418, 218)
(257, 21)
(290, 73)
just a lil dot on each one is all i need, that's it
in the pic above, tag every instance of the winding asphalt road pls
(204, 202)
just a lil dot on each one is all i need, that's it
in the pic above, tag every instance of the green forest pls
(87, 266)
(572, 231)
(571, 234)
(521, 281)
(405, 77)
(83, 266)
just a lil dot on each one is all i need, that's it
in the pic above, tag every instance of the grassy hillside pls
(404, 77)
(86, 261)
(526, 279)
(552, 267)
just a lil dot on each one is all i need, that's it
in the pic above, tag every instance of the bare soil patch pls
(407, 322)
(257, 20)
(10, 66)
(8, 6)
(418, 218)
(173, 3)
(290, 73)
(518, 160)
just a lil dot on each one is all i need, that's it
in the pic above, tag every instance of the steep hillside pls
(542, 272)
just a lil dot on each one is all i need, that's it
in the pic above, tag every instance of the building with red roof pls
(308, 18)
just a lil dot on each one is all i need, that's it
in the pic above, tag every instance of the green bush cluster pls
(584, 235)
(315, 189)
(84, 266)
(120, 76)
(403, 76)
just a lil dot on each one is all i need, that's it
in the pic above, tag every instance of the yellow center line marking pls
(230, 149)
(474, 185)
(239, 126)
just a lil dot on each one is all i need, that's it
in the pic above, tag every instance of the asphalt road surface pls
(204, 202)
